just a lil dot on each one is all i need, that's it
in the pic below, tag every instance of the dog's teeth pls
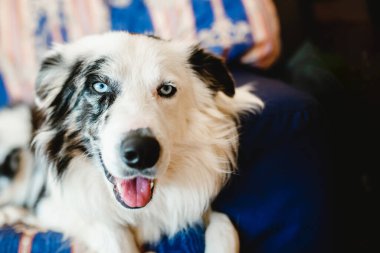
(151, 185)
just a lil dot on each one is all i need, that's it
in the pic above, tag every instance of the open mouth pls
(133, 192)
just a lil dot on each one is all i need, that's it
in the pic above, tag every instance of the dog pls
(133, 137)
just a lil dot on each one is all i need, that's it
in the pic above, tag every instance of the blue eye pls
(101, 87)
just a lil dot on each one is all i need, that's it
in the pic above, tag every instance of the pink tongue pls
(135, 192)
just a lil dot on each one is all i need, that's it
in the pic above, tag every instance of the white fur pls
(220, 227)
(197, 134)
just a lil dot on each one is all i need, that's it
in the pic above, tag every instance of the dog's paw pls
(80, 247)
(221, 235)
(10, 215)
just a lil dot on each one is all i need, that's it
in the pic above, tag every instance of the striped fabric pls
(22, 239)
(29, 27)
(247, 30)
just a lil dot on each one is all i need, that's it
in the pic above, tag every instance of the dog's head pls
(147, 112)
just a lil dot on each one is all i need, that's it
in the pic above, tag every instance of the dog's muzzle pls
(140, 151)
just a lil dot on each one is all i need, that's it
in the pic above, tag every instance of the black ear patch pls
(51, 61)
(212, 71)
(48, 63)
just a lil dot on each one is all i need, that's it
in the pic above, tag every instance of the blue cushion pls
(190, 240)
(277, 199)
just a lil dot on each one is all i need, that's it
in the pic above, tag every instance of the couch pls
(277, 200)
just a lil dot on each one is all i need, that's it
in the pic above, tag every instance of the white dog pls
(135, 136)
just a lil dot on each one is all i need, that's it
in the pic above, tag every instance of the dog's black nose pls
(140, 150)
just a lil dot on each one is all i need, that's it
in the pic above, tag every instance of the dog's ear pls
(51, 68)
(212, 71)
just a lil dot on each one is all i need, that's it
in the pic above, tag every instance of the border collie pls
(133, 138)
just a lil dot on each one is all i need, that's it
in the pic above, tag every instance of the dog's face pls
(139, 108)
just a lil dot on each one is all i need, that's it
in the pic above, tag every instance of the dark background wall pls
(331, 50)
